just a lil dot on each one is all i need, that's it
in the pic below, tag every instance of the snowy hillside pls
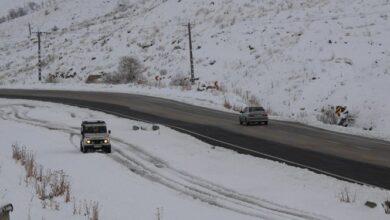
(295, 57)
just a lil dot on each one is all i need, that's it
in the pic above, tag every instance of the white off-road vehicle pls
(94, 136)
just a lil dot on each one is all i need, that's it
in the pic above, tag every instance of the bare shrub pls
(89, 209)
(52, 185)
(51, 79)
(159, 213)
(328, 115)
(345, 196)
(49, 185)
(18, 153)
(30, 165)
(386, 206)
(182, 81)
(27, 159)
(74, 208)
(67, 195)
(252, 100)
(227, 104)
(95, 211)
(129, 70)
(93, 78)
(58, 184)
(54, 29)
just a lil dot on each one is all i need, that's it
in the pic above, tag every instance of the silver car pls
(253, 115)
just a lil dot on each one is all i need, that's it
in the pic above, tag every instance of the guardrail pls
(5, 210)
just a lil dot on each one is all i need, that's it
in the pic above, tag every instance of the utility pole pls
(39, 56)
(39, 34)
(191, 56)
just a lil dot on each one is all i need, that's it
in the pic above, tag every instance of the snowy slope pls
(295, 57)
(148, 170)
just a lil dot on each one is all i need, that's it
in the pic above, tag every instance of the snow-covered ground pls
(295, 57)
(175, 173)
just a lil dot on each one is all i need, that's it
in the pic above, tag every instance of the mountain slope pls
(295, 57)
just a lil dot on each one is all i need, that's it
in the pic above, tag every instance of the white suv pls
(94, 136)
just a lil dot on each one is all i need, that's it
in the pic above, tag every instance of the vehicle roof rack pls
(93, 122)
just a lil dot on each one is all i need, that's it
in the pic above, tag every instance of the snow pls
(295, 57)
(174, 172)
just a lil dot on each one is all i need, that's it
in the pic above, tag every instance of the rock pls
(370, 204)
(155, 127)
(135, 128)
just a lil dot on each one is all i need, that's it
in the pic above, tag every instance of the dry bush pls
(345, 196)
(89, 209)
(30, 165)
(93, 78)
(51, 79)
(252, 100)
(27, 159)
(18, 152)
(238, 91)
(328, 115)
(129, 70)
(95, 211)
(227, 104)
(67, 195)
(47, 186)
(53, 184)
(58, 183)
(181, 81)
(159, 213)
(386, 206)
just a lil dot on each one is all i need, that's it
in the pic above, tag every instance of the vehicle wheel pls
(246, 122)
(241, 122)
(107, 150)
(84, 150)
(266, 122)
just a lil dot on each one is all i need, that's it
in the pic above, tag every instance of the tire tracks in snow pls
(156, 170)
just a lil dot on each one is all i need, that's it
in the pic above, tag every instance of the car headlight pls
(88, 141)
(106, 141)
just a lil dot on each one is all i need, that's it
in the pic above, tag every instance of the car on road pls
(253, 115)
(94, 136)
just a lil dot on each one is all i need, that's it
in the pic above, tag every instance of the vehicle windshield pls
(256, 109)
(95, 129)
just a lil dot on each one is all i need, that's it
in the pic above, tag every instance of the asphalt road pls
(348, 157)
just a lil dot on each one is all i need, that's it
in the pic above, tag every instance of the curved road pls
(348, 157)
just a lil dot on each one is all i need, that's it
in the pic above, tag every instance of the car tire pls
(240, 122)
(246, 122)
(266, 123)
(107, 150)
(84, 150)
